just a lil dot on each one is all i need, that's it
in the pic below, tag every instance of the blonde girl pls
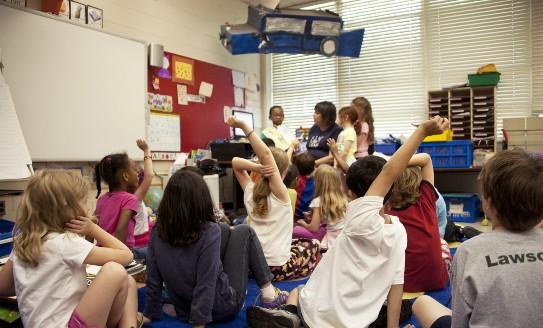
(365, 135)
(347, 139)
(46, 269)
(269, 210)
(329, 205)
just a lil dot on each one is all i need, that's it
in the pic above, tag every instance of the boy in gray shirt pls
(496, 276)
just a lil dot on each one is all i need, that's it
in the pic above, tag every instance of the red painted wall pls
(200, 123)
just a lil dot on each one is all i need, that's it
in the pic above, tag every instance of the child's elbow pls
(127, 258)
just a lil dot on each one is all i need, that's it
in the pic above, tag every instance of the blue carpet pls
(442, 296)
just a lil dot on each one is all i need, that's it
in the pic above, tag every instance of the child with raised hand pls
(327, 208)
(269, 210)
(365, 132)
(413, 200)
(142, 226)
(494, 277)
(204, 265)
(116, 210)
(366, 264)
(47, 268)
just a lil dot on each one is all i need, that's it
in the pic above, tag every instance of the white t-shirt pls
(49, 293)
(142, 220)
(351, 283)
(275, 230)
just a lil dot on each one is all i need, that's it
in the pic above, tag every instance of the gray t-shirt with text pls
(497, 280)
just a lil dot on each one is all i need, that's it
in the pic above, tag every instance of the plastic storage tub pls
(386, 148)
(462, 207)
(477, 80)
(449, 154)
(6, 237)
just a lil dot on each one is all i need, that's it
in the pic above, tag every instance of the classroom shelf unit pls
(471, 112)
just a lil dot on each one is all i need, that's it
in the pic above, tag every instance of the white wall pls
(186, 27)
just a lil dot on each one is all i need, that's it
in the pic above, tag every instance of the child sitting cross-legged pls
(495, 275)
(413, 201)
(269, 209)
(328, 207)
(47, 268)
(365, 266)
(204, 265)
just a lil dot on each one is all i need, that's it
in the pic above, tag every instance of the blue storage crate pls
(449, 154)
(462, 207)
(386, 148)
(6, 240)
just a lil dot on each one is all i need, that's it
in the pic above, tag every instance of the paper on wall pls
(206, 89)
(227, 112)
(239, 96)
(238, 79)
(182, 98)
(251, 82)
(196, 98)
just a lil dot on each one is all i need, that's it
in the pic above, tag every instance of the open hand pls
(142, 144)
(332, 145)
(81, 225)
(435, 125)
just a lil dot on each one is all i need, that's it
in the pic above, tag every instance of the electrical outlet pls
(2, 207)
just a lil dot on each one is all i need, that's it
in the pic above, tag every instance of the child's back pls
(48, 293)
(306, 184)
(498, 280)
(367, 258)
(108, 209)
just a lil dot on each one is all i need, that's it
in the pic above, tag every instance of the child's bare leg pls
(101, 302)
(427, 310)
(293, 297)
(130, 307)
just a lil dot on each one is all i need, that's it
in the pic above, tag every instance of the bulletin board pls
(199, 122)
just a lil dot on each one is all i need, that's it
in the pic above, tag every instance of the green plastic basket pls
(477, 80)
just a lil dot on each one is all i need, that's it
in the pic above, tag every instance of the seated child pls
(494, 275)
(204, 265)
(269, 210)
(291, 181)
(116, 210)
(47, 268)
(413, 200)
(365, 266)
(306, 183)
(328, 207)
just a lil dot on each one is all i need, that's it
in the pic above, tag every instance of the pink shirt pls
(362, 141)
(108, 210)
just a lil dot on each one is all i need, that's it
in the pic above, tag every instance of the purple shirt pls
(108, 209)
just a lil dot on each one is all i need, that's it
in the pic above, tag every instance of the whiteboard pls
(79, 93)
(164, 132)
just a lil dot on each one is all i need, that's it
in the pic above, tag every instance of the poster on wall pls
(64, 10)
(95, 17)
(159, 103)
(78, 12)
(182, 96)
(182, 70)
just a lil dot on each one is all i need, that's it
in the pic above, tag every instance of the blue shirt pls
(194, 278)
(316, 140)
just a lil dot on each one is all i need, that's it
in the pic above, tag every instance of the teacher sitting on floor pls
(325, 127)
(279, 133)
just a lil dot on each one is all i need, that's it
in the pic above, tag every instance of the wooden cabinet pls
(471, 112)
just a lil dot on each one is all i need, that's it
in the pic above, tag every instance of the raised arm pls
(424, 161)
(148, 172)
(265, 157)
(398, 162)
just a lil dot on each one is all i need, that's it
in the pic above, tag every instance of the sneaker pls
(280, 299)
(259, 317)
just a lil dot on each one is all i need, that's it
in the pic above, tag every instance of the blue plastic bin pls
(449, 154)
(6, 234)
(386, 148)
(462, 207)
